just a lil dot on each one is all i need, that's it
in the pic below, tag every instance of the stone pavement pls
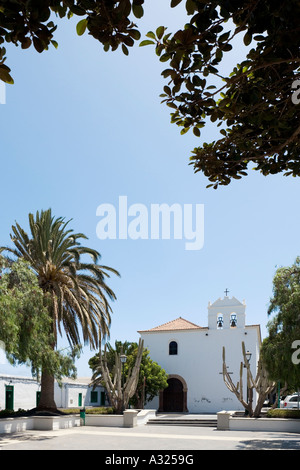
(153, 438)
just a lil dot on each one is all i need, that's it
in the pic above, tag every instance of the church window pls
(220, 321)
(233, 320)
(173, 348)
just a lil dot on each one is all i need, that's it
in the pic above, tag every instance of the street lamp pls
(248, 357)
(123, 359)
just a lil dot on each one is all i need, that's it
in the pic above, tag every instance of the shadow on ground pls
(274, 444)
(18, 437)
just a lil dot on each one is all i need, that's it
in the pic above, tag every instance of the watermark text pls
(160, 221)
(296, 354)
(296, 93)
(2, 93)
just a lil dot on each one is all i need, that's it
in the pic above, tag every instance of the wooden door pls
(173, 396)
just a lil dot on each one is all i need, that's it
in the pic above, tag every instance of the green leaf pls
(77, 10)
(190, 7)
(135, 34)
(172, 105)
(174, 3)
(160, 31)
(151, 35)
(146, 42)
(184, 130)
(124, 49)
(219, 54)
(196, 131)
(165, 57)
(224, 36)
(81, 26)
(5, 75)
(26, 43)
(2, 53)
(247, 39)
(137, 11)
(38, 45)
(159, 48)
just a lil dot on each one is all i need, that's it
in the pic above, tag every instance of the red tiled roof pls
(178, 324)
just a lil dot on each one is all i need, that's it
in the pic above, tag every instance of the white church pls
(192, 357)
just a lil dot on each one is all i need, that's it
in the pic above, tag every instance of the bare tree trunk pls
(47, 402)
(261, 384)
(120, 394)
(259, 405)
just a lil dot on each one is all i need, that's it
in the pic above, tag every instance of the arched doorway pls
(174, 397)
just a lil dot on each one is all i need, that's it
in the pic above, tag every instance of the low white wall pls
(9, 425)
(42, 423)
(230, 423)
(264, 424)
(131, 418)
(104, 420)
(49, 423)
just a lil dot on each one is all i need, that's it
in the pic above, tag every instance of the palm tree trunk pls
(47, 402)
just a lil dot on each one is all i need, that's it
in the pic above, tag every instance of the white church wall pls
(199, 363)
(212, 394)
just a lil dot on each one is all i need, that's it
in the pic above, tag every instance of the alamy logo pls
(137, 222)
(296, 354)
(2, 353)
(2, 93)
(296, 93)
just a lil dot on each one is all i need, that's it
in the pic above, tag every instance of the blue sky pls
(82, 127)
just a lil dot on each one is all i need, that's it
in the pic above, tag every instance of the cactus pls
(261, 384)
(119, 395)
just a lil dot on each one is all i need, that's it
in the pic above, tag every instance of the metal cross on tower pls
(226, 292)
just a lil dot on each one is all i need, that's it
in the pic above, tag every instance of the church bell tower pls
(226, 313)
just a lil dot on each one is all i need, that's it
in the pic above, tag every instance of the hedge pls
(281, 413)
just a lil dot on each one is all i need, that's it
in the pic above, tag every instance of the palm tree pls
(77, 289)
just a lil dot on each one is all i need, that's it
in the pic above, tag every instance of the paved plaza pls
(153, 438)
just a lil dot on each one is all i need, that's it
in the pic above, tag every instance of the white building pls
(24, 392)
(192, 357)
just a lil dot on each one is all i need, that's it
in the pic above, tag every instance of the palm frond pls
(78, 289)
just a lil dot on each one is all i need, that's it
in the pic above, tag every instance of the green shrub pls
(70, 411)
(4, 413)
(12, 413)
(94, 410)
(100, 410)
(281, 413)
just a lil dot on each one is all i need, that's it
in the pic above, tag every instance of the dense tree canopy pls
(28, 23)
(257, 103)
(25, 325)
(280, 350)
